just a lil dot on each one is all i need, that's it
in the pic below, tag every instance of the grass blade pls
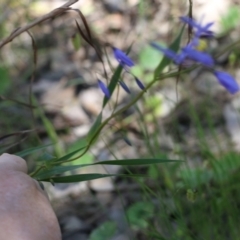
(32, 150)
(174, 46)
(85, 177)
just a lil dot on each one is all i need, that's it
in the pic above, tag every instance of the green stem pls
(36, 171)
(164, 76)
(122, 110)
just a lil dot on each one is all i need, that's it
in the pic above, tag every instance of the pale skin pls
(25, 211)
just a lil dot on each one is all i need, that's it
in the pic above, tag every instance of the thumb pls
(12, 162)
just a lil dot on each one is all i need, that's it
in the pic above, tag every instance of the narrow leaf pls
(85, 177)
(31, 150)
(51, 173)
(70, 155)
(114, 80)
(94, 128)
(131, 162)
(113, 83)
(54, 171)
(174, 46)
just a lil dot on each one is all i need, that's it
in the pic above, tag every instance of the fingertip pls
(13, 162)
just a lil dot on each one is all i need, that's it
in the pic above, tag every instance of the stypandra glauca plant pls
(186, 58)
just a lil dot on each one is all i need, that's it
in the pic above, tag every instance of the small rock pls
(205, 8)
(115, 5)
(72, 223)
(91, 100)
(77, 236)
(102, 185)
(207, 83)
(81, 131)
(73, 189)
(117, 215)
(74, 114)
(105, 197)
(115, 21)
(57, 96)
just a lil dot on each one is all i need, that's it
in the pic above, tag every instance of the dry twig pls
(50, 15)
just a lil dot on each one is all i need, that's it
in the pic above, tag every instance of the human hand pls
(25, 211)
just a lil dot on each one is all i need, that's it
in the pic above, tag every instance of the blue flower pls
(187, 53)
(197, 56)
(177, 58)
(104, 89)
(200, 30)
(207, 34)
(227, 81)
(124, 86)
(139, 83)
(167, 52)
(122, 58)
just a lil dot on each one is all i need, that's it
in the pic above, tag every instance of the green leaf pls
(174, 46)
(82, 144)
(54, 171)
(193, 178)
(113, 83)
(46, 157)
(50, 130)
(69, 156)
(231, 19)
(225, 166)
(50, 173)
(149, 58)
(76, 40)
(114, 80)
(5, 82)
(94, 129)
(137, 71)
(87, 158)
(80, 155)
(131, 162)
(153, 172)
(85, 177)
(32, 150)
(104, 232)
(139, 214)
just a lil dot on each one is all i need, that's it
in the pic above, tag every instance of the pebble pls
(115, 5)
(72, 223)
(91, 100)
(77, 236)
(102, 185)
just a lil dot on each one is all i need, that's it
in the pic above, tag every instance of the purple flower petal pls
(177, 58)
(200, 29)
(139, 83)
(207, 34)
(122, 58)
(197, 56)
(167, 52)
(104, 89)
(227, 81)
(124, 86)
(189, 21)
